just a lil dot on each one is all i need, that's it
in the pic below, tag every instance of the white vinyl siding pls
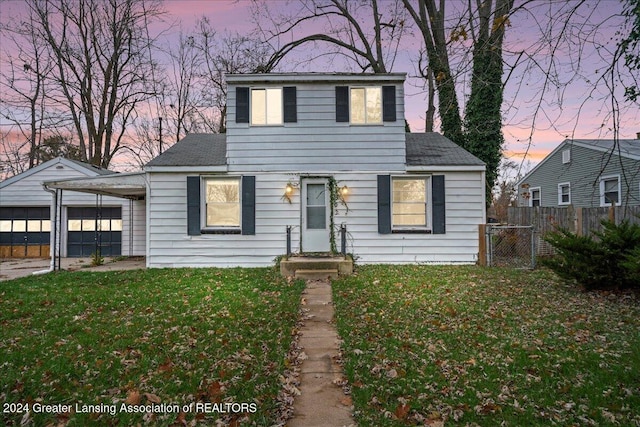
(170, 246)
(315, 143)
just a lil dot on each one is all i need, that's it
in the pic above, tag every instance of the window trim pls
(351, 109)
(428, 205)
(603, 179)
(251, 105)
(218, 229)
(531, 196)
(560, 186)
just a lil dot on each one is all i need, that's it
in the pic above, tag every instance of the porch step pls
(316, 274)
(325, 266)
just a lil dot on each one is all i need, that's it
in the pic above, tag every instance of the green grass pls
(475, 346)
(174, 336)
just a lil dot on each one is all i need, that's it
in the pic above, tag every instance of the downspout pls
(52, 250)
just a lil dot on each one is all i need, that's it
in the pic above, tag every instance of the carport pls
(95, 230)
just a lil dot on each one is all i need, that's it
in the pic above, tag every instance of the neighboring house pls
(27, 212)
(585, 173)
(314, 152)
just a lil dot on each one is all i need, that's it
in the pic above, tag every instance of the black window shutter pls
(384, 204)
(242, 105)
(193, 205)
(438, 202)
(290, 104)
(342, 104)
(389, 103)
(249, 205)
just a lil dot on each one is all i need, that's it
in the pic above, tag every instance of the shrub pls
(607, 260)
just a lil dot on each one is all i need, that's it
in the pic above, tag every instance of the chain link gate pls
(511, 246)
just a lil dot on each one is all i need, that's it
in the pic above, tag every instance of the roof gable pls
(83, 168)
(628, 148)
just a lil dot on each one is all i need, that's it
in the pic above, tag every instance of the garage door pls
(90, 228)
(24, 232)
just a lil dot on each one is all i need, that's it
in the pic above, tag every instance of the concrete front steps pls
(316, 267)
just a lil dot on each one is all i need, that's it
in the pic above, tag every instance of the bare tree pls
(103, 66)
(23, 101)
(362, 32)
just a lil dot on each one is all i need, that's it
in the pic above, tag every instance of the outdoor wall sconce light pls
(344, 191)
(288, 191)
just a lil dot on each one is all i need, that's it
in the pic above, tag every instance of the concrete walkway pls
(322, 402)
(14, 268)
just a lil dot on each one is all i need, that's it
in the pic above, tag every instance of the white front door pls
(315, 215)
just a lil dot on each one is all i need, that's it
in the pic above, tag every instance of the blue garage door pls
(91, 230)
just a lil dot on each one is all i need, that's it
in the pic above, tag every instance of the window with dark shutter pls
(389, 103)
(342, 104)
(438, 198)
(290, 104)
(248, 205)
(242, 105)
(193, 205)
(384, 204)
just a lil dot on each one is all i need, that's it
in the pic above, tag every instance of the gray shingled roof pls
(96, 169)
(433, 149)
(628, 147)
(423, 149)
(195, 149)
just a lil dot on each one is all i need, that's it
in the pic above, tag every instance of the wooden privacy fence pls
(582, 221)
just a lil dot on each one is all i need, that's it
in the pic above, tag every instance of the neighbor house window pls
(266, 106)
(222, 200)
(564, 193)
(366, 105)
(566, 156)
(535, 198)
(610, 190)
(409, 203)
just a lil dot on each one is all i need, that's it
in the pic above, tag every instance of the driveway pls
(14, 268)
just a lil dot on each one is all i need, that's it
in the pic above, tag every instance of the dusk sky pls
(575, 104)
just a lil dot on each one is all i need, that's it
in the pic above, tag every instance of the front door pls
(315, 215)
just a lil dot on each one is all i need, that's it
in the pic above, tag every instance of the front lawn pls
(89, 347)
(475, 346)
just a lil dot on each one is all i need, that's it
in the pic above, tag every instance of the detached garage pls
(86, 222)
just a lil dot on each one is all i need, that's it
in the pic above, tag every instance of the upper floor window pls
(361, 105)
(266, 106)
(610, 190)
(566, 156)
(366, 105)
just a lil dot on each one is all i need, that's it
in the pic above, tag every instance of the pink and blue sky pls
(538, 113)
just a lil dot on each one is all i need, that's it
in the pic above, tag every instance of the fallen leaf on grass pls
(402, 411)
(133, 398)
(152, 398)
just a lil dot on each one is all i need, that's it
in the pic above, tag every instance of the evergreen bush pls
(609, 259)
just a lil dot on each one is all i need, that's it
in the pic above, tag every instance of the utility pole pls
(160, 140)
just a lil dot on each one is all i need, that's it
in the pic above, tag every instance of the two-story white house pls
(314, 152)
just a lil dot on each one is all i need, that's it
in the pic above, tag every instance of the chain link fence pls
(511, 246)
